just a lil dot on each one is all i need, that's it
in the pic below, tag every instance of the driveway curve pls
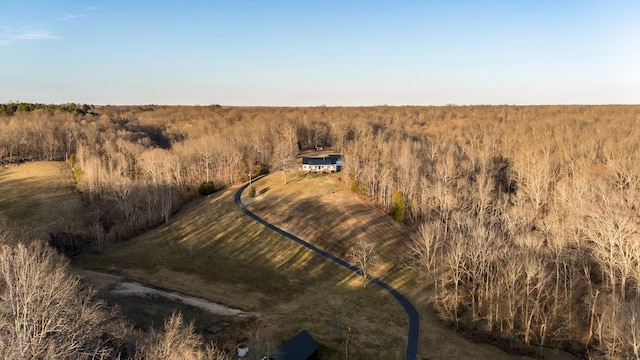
(414, 320)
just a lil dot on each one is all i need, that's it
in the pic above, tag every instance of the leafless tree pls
(121, 189)
(615, 244)
(178, 341)
(43, 313)
(454, 262)
(285, 149)
(427, 246)
(364, 257)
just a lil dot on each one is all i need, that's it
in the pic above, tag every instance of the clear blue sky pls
(299, 53)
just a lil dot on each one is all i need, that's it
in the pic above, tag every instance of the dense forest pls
(526, 219)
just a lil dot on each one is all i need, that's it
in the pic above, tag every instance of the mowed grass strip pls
(41, 198)
(211, 249)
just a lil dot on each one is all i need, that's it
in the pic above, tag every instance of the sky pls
(311, 53)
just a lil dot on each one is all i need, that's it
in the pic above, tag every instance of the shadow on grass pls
(214, 243)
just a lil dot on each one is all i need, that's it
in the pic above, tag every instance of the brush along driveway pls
(414, 320)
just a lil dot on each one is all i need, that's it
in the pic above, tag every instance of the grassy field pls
(239, 262)
(213, 251)
(317, 208)
(40, 198)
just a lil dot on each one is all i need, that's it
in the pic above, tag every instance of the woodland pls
(525, 220)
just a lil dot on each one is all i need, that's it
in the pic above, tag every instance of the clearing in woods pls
(40, 197)
(211, 250)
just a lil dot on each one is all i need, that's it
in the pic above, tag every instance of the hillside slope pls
(210, 249)
(40, 198)
(319, 209)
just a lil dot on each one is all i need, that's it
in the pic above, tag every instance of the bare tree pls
(427, 244)
(364, 257)
(285, 149)
(511, 281)
(206, 158)
(533, 293)
(631, 318)
(614, 241)
(178, 341)
(454, 262)
(44, 314)
(121, 188)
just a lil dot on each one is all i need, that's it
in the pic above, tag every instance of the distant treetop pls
(13, 107)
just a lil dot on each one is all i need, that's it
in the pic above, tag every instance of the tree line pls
(525, 218)
(14, 107)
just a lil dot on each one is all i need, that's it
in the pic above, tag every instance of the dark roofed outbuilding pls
(300, 347)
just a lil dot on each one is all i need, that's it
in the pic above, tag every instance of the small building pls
(242, 350)
(300, 347)
(326, 164)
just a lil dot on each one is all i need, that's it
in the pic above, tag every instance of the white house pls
(329, 164)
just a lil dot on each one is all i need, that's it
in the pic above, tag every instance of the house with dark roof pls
(329, 163)
(300, 347)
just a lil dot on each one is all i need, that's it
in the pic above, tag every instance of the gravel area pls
(127, 288)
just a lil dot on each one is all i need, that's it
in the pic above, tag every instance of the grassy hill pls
(239, 262)
(40, 198)
(321, 210)
(211, 250)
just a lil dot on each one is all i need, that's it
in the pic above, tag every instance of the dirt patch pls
(238, 294)
(148, 306)
(127, 288)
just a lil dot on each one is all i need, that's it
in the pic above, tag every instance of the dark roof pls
(327, 160)
(317, 161)
(300, 347)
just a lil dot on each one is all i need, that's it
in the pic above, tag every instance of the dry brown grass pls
(319, 209)
(238, 262)
(241, 263)
(40, 197)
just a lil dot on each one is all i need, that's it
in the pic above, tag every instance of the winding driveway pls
(414, 320)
